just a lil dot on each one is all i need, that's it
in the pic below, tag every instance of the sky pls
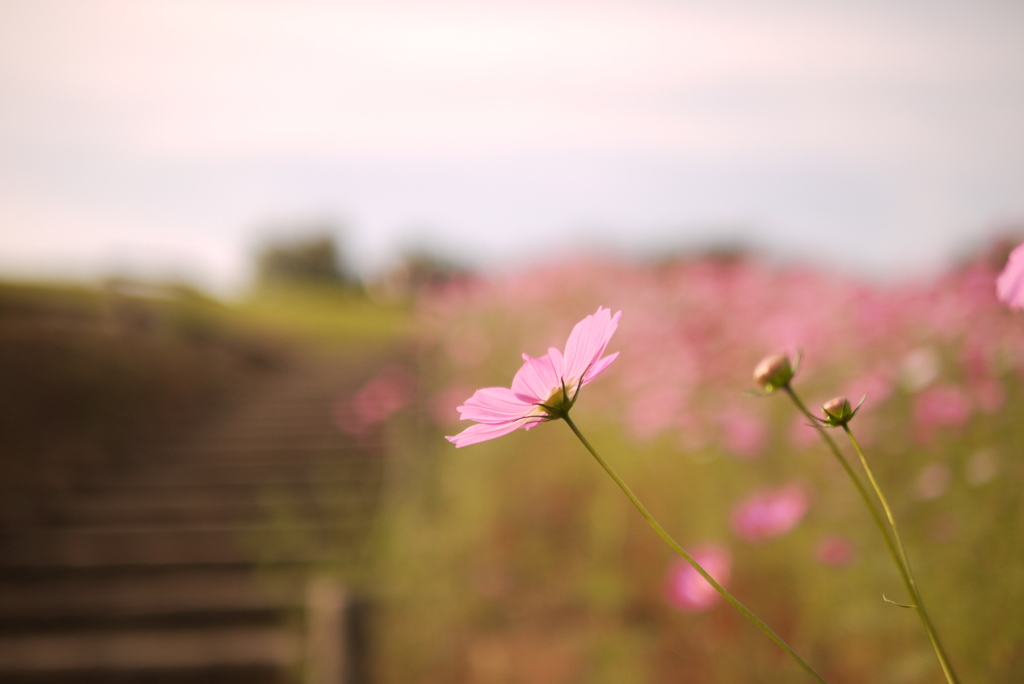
(169, 139)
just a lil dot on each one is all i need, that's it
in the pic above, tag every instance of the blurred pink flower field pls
(687, 590)
(526, 555)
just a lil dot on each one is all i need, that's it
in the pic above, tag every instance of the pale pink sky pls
(158, 136)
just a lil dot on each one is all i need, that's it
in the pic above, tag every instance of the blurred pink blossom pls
(877, 387)
(770, 512)
(467, 348)
(743, 434)
(441, 404)
(687, 590)
(920, 369)
(982, 466)
(692, 436)
(375, 402)
(654, 411)
(699, 324)
(542, 387)
(941, 406)
(981, 370)
(1010, 284)
(932, 482)
(989, 395)
(834, 550)
(801, 433)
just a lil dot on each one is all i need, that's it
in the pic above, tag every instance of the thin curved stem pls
(926, 620)
(897, 554)
(834, 448)
(688, 558)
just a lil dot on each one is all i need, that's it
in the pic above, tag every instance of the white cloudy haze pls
(159, 137)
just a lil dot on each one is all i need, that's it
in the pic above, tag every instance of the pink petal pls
(557, 363)
(494, 405)
(587, 342)
(599, 367)
(1010, 284)
(536, 380)
(481, 432)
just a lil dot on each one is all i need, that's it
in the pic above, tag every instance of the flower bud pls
(773, 372)
(838, 411)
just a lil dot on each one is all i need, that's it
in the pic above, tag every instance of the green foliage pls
(309, 260)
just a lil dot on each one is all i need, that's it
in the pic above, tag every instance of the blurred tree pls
(418, 271)
(309, 260)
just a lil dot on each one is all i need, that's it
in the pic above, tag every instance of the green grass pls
(323, 315)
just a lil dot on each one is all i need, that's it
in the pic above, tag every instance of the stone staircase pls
(207, 560)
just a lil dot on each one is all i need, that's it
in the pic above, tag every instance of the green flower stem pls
(689, 559)
(898, 555)
(947, 668)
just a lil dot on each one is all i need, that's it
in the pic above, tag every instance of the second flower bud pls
(838, 411)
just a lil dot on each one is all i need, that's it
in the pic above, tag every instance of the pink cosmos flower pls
(770, 513)
(687, 590)
(1010, 284)
(834, 550)
(543, 389)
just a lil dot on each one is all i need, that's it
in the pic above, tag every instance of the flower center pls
(557, 404)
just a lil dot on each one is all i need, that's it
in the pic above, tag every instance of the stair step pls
(189, 498)
(148, 594)
(235, 453)
(202, 618)
(218, 494)
(118, 511)
(272, 647)
(231, 674)
(226, 477)
(88, 573)
(170, 567)
(153, 545)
